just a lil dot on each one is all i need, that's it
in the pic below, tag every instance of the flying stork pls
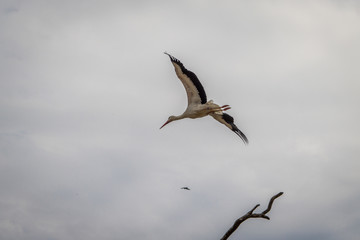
(198, 106)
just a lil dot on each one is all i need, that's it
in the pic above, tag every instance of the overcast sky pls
(85, 86)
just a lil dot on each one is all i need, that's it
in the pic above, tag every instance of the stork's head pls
(170, 119)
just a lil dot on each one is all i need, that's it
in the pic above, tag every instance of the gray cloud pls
(85, 87)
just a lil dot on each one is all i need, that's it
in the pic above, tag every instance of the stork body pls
(198, 106)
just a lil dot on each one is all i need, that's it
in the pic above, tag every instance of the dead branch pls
(250, 214)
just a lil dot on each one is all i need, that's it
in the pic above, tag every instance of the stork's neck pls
(182, 116)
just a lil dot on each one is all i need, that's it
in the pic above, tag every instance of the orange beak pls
(165, 124)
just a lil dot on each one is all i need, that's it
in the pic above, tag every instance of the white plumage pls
(198, 106)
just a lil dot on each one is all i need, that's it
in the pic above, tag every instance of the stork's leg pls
(222, 108)
(225, 107)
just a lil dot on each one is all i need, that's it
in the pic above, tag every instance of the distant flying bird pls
(186, 188)
(198, 106)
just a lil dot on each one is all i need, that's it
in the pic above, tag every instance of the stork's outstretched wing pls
(194, 90)
(228, 121)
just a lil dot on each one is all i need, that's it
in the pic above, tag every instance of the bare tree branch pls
(250, 214)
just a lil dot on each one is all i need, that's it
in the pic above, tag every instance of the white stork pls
(198, 106)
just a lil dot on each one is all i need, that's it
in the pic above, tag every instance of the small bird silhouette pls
(186, 188)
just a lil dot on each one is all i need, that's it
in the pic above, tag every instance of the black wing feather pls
(230, 120)
(192, 77)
